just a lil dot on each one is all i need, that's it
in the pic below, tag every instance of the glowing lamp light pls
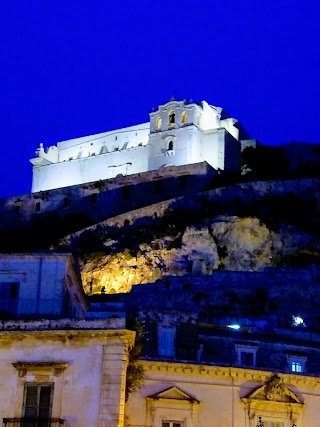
(297, 320)
(236, 327)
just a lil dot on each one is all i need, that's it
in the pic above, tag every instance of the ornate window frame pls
(172, 403)
(38, 372)
(274, 401)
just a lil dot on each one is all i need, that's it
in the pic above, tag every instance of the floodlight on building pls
(297, 321)
(236, 327)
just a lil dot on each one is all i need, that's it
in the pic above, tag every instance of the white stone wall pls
(89, 169)
(106, 142)
(186, 148)
(197, 135)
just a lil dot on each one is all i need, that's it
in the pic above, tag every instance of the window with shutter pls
(9, 292)
(171, 423)
(37, 401)
(246, 354)
(166, 341)
(246, 358)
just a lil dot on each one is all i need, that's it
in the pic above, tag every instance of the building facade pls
(57, 366)
(225, 351)
(179, 394)
(178, 134)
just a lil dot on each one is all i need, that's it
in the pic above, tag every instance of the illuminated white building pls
(178, 134)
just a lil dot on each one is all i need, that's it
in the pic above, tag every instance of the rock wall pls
(229, 243)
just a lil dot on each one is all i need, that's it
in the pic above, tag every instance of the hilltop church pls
(179, 133)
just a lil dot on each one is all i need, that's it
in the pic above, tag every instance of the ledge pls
(234, 375)
(52, 367)
(61, 324)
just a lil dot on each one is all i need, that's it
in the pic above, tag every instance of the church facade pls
(177, 134)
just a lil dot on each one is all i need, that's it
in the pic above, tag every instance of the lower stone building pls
(56, 367)
(213, 355)
(232, 350)
(180, 394)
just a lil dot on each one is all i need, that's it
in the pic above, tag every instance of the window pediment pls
(170, 404)
(273, 397)
(174, 393)
(54, 368)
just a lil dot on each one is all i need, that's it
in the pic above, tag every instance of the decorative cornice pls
(232, 374)
(118, 337)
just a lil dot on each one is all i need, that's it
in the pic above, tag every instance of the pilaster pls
(113, 382)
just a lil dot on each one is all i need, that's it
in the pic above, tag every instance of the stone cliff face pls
(241, 227)
(223, 242)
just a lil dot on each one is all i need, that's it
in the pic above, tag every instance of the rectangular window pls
(37, 401)
(9, 292)
(171, 423)
(296, 366)
(166, 341)
(246, 355)
(38, 207)
(246, 358)
(297, 363)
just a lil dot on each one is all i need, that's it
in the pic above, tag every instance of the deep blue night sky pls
(72, 67)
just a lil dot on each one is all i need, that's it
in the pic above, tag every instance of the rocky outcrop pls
(224, 242)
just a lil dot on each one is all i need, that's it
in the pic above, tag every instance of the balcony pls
(33, 422)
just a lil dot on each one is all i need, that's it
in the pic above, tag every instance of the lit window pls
(184, 117)
(159, 123)
(166, 341)
(297, 366)
(172, 118)
(171, 423)
(297, 363)
(37, 401)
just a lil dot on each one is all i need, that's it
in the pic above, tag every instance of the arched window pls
(159, 123)
(172, 118)
(170, 146)
(184, 117)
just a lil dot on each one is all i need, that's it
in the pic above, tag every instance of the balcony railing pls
(33, 422)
